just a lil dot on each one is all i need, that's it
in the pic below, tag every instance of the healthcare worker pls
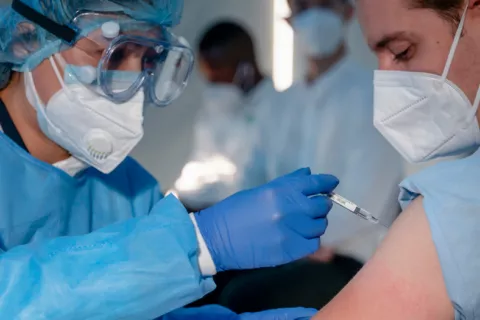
(426, 104)
(84, 233)
(226, 132)
(326, 123)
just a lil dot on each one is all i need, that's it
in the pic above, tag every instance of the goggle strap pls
(64, 32)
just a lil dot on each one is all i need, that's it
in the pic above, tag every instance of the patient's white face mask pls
(426, 116)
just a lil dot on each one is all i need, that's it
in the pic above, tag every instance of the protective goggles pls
(116, 56)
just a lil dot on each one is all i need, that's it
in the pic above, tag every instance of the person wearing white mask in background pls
(226, 131)
(325, 121)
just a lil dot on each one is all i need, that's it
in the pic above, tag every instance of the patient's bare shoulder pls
(402, 281)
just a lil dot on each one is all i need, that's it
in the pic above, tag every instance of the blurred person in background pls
(226, 134)
(325, 121)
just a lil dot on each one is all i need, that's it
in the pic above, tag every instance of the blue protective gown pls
(91, 247)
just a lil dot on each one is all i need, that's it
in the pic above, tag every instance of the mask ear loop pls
(60, 60)
(453, 49)
(476, 104)
(451, 55)
(59, 76)
(40, 106)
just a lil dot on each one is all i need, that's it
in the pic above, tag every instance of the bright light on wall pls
(282, 46)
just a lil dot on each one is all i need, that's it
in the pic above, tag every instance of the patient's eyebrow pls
(385, 41)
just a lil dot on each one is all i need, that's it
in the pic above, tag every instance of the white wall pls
(168, 132)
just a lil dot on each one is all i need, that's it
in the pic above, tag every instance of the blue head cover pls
(25, 44)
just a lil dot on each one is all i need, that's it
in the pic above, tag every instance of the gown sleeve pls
(141, 268)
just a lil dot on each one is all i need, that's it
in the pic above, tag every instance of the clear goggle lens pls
(118, 63)
(162, 69)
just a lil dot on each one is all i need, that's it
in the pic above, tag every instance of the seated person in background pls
(226, 130)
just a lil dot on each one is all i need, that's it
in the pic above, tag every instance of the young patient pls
(428, 266)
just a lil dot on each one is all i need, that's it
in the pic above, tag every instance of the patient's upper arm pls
(402, 281)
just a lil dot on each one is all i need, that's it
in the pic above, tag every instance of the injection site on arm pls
(402, 281)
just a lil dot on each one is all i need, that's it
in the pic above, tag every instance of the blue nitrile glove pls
(270, 225)
(215, 312)
(280, 314)
(210, 312)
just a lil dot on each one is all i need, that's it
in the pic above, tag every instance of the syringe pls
(352, 207)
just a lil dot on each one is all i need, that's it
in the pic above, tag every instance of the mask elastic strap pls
(61, 61)
(58, 75)
(39, 106)
(474, 111)
(456, 40)
(476, 103)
